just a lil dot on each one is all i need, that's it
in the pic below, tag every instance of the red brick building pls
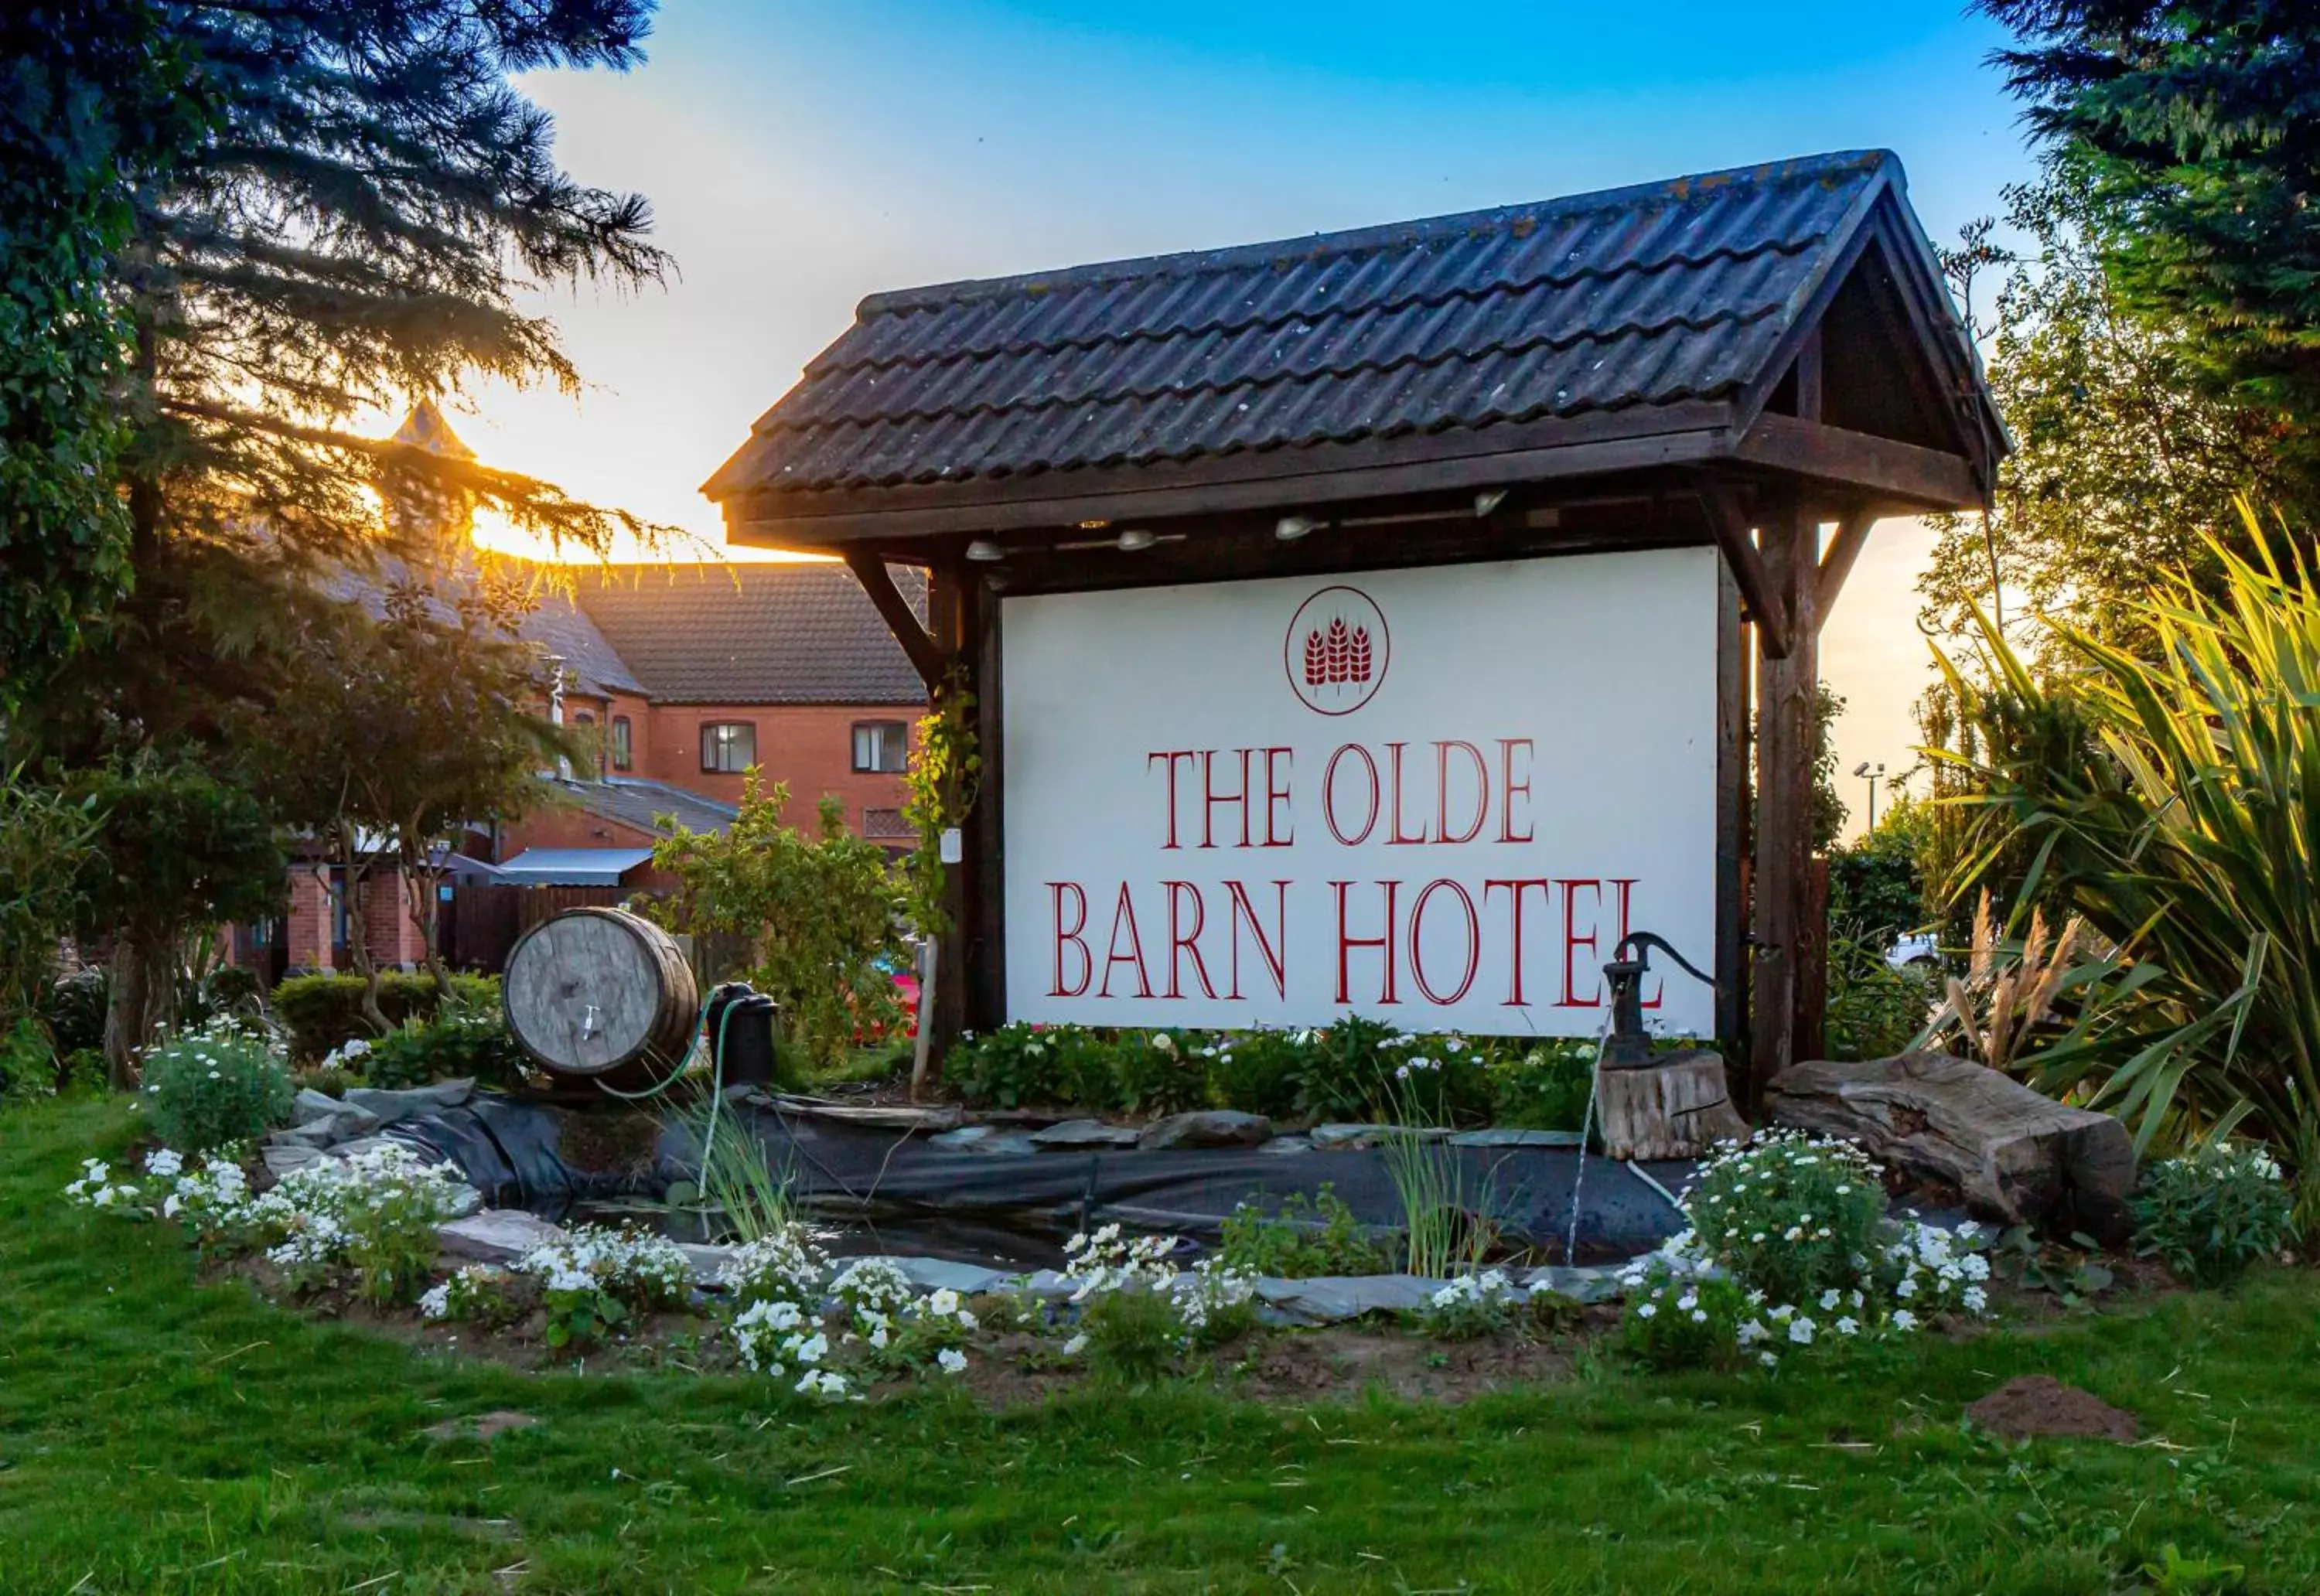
(686, 676)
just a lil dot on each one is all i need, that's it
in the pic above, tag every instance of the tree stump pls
(2013, 1155)
(1678, 1106)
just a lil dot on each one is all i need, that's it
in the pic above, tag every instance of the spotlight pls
(1134, 539)
(1290, 528)
(985, 550)
(1488, 500)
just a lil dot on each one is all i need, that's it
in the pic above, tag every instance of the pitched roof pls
(592, 664)
(636, 802)
(1632, 297)
(752, 632)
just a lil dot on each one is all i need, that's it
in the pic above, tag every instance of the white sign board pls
(1436, 797)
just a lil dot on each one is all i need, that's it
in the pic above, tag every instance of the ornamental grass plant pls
(2170, 798)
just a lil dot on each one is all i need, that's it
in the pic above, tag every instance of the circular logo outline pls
(1372, 681)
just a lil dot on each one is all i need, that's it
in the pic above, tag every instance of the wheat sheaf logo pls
(1336, 650)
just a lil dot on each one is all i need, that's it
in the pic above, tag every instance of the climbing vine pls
(946, 774)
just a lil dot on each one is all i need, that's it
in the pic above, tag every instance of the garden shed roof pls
(573, 866)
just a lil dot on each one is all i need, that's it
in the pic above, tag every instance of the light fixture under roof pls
(1290, 528)
(985, 550)
(1134, 539)
(1488, 500)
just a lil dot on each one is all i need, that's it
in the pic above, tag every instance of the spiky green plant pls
(2177, 813)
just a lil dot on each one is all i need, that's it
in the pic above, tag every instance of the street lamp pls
(1872, 773)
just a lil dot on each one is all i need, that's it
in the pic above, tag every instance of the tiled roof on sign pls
(1635, 296)
(752, 633)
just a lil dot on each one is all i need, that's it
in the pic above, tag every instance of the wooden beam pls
(1869, 466)
(1748, 565)
(1837, 560)
(948, 629)
(1808, 376)
(927, 658)
(1731, 966)
(1782, 1024)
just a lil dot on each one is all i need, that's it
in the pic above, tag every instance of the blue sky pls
(802, 153)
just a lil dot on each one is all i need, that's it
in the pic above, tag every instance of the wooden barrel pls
(601, 994)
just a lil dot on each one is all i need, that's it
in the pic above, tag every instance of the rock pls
(281, 1160)
(366, 1144)
(2042, 1405)
(482, 1428)
(1677, 1106)
(1329, 1137)
(309, 1105)
(1508, 1136)
(389, 1106)
(1330, 1298)
(326, 1130)
(935, 1274)
(1285, 1145)
(1206, 1128)
(1082, 1135)
(1585, 1282)
(707, 1259)
(987, 1139)
(906, 1118)
(2015, 1157)
(465, 1200)
(496, 1235)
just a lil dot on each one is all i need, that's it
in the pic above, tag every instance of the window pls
(623, 748)
(880, 745)
(728, 746)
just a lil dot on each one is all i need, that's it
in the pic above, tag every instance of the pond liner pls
(518, 1151)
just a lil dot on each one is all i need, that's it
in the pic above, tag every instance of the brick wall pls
(809, 745)
(393, 936)
(307, 925)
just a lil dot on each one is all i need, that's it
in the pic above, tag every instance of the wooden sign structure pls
(1761, 361)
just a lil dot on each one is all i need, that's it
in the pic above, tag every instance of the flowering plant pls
(479, 1293)
(1469, 1307)
(375, 1213)
(1679, 1318)
(1138, 1312)
(2212, 1212)
(783, 1266)
(224, 1084)
(1789, 1214)
(596, 1278)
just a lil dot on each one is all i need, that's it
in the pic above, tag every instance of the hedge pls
(323, 1013)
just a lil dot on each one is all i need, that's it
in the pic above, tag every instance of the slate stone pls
(1206, 1128)
(496, 1235)
(1588, 1282)
(1080, 1136)
(1329, 1137)
(707, 1259)
(1330, 1298)
(1508, 1135)
(1285, 1145)
(311, 1105)
(326, 1131)
(935, 1274)
(990, 1140)
(281, 1160)
(387, 1106)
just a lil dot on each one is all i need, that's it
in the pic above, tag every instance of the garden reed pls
(1445, 1209)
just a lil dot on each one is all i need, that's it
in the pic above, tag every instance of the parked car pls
(1920, 950)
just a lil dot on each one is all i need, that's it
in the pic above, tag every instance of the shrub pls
(1020, 1064)
(1874, 1010)
(1343, 1070)
(1541, 1087)
(1359, 1069)
(1788, 1213)
(1471, 1307)
(1675, 1318)
(1153, 1071)
(1138, 1314)
(1300, 1238)
(2213, 1211)
(324, 1011)
(462, 1039)
(28, 1064)
(374, 1213)
(215, 1087)
(596, 1281)
(1257, 1071)
(480, 1294)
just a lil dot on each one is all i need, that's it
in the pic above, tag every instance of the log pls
(1678, 1106)
(2013, 1155)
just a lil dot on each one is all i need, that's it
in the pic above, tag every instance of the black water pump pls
(1629, 1045)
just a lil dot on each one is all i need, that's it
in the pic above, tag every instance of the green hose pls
(716, 1076)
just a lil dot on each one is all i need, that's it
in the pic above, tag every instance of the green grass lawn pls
(156, 1435)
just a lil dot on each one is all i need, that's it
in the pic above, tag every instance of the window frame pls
(622, 736)
(897, 732)
(726, 727)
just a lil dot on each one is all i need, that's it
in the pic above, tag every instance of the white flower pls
(1647, 1310)
(1903, 1319)
(1800, 1330)
(953, 1362)
(1075, 1345)
(1829, 1299)
(437, 1302)
(1848, 1327)
(1975, 1299)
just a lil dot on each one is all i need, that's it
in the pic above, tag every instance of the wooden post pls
(1789, 945)
(946, 603)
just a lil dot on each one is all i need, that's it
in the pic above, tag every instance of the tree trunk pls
(421, 881)
(139, 1000)
(352, 873)
(1678, 1106)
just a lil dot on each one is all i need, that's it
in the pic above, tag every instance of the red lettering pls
(1124, 916)
(1182, 941)
(1508, 787)
(1211, 800)
(1346, 943)
(1170, 757)
(1276, 795)
(1625, 888)
(1418, 943)
(1515, 889)
(1273, 950)
(1395, 836)
(1573, 942)
(1056, 891)
(1329, 795)
(1442, 792)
